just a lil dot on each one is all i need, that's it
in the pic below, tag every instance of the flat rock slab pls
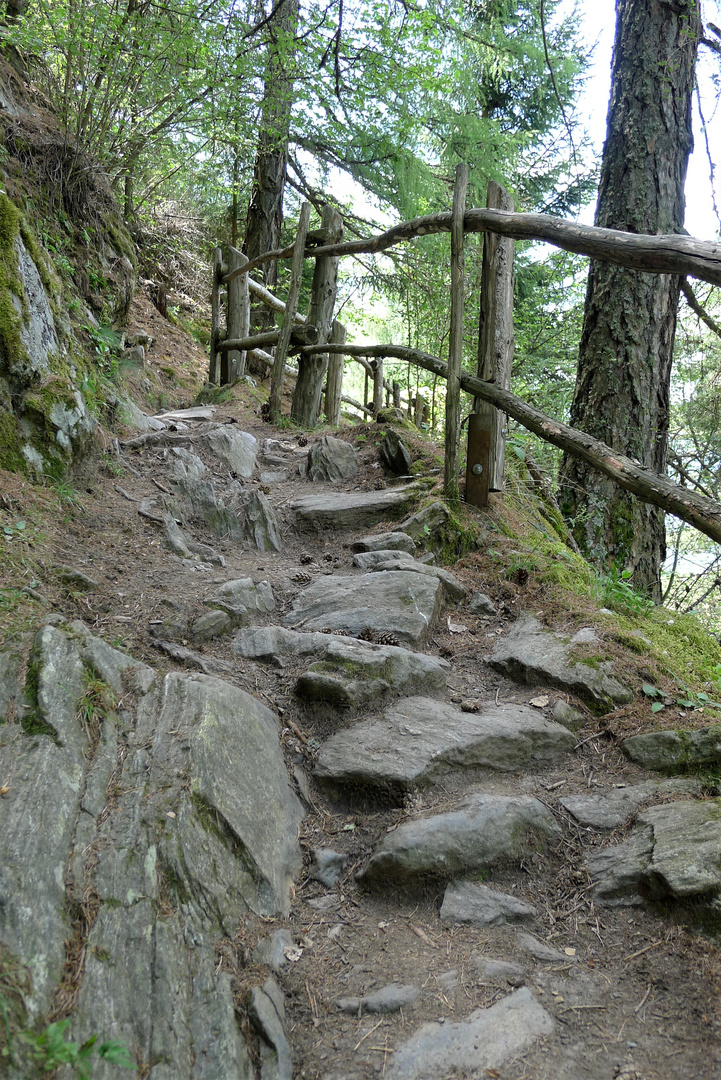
(539, 950)
(395, 601)
(377, 561)
(469, 902)
(347, 670)
(485, 830)
(419, 740)
(386, 541)
(532, 654)
(613, 808)
(487, 1039)
(350, 511)
(353, 673)
(674, 749)
(674, 851)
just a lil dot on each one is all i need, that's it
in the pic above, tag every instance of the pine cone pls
(305, 558)
(366, 634)
(301, 578)
(302, 441)
(386, 638)
(338, 633)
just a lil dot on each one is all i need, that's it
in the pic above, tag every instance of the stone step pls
(343, 510)
(419, 741)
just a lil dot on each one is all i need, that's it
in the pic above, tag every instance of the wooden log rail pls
(698, 510)
(668, 254)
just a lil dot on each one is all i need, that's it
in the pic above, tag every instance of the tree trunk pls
(312, 369)
(623, 381)
(265, 212)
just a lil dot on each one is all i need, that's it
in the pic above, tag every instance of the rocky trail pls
(283, 797)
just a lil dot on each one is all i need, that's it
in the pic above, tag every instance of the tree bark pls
(495, 331)
(698, 510)
(265, 211)
(455, 341)
(291, 306)
(312, 369)
(623, 381)
(233, 362)
(334, 386)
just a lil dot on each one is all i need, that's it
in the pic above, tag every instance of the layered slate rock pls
(610, 809)
(377, 561)
(674, 749)
(484, 831)
(385, 541)
(484, 1040)
(346, 670)
(531, 654)
(177, 819)
(351, 511)
(242, 599)
(429, 524)
(419, 741)
(238, 449)
(396, 601)
(674, 852)
(469, 902)
(332, 459)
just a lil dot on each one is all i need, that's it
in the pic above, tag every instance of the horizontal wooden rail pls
(667, 254)
(698, 510)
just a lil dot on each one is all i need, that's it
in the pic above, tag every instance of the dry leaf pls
(422, 935)
(539, 702)
(292, 953)
(170, 814)
(455, 627)
(570, 952)
(4, 789)
(492, 1072)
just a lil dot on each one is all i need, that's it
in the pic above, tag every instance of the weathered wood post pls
(216, 274)
(312, 369)
(291, 306)
(455, 342)
(233, 362)
(419, 405)
(495, 348)
(336, 365)
(396, 395)
(377, 385)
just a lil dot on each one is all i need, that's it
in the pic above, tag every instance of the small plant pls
(619, 594)
(14, 532)
(111, 465)
(49, 1051)
(690, 699)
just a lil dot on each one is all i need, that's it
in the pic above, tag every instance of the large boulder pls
(237, 449)
(394, 454)
(351, 511)
(675, 749)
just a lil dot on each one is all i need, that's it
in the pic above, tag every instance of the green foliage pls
(49, 1051)
(619, 594)
(688, 699)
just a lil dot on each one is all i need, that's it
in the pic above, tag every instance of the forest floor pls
(636, 992)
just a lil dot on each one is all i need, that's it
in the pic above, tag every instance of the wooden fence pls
(501, 225)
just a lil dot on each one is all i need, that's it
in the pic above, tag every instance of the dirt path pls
(631, 991)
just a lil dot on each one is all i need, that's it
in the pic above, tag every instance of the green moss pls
(11, 346)
(36, 253)
(31, 718)
(121, 241)
(352, 669)
(11, 457)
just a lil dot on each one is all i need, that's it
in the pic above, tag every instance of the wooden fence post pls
(396, 395)
(419, 405)
(455, 341)
(215, 285)
(495, 334)
(377, 385)
(291, 306)
(312, 369)
(233, 362)
(334, 386)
